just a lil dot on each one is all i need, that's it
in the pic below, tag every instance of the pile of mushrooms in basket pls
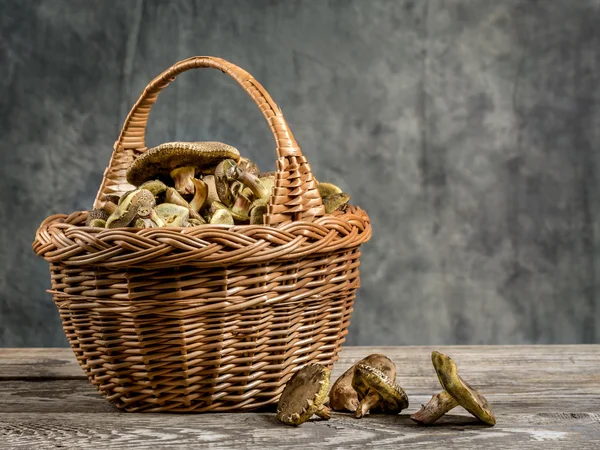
(184, 184)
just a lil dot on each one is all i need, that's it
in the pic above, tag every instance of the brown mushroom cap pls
(304, 395)
(392, 400)
(95, 217)
(464, 394)
(160, 161)
(342, 396)
(334, 202)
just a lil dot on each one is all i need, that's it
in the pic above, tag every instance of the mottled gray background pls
(469, 131)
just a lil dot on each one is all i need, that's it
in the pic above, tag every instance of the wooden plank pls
(79, 396)
(550, 430)
(555, 361)
(543, 396)
(39, 363)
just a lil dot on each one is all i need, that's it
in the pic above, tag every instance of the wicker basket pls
(207, 318)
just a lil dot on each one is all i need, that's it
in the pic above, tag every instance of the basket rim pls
(61, 239)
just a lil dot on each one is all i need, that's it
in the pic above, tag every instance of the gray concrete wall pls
(469, 131)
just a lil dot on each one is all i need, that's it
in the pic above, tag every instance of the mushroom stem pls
(172, 196)
(324, 412)
(253, 182)
(109, 207)
(200, 194)
(182, 176)
(439, 405)
(369, 401)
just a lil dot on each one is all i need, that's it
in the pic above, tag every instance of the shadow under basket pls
(212, 317)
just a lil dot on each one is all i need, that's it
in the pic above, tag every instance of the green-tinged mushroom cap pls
(257, 214)
(181, 161)
(456, 392)
(221, 217)
(173, 215)
(157, 187)
(376, 389)
(334, 202)
(304, 396)
(327, 189)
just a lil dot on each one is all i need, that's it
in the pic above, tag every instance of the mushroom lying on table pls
(305, 395)
(376, 391)
(456, 392)
(181, 161)
(343, 397)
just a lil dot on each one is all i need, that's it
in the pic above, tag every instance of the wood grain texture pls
(544, 397)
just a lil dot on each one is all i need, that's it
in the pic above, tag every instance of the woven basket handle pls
(295, 195)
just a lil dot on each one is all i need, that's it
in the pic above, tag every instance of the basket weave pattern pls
(207, 318)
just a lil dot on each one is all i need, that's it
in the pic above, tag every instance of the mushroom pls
(112, 198)
(157, 187)
(327, 189)
(248, 165)
(225, 173)
(222, 217)
(139, 203)
(456, 392)
(342, 396)
(335, 202)
(240, 209)
(257, 214)
(196, 222)
(181, 161)
(200, 193)
(174, 197)
(97, 218)
(212, 194)
(304, 396)
(253, 182)
(377, 392)
(173, 215)
(144, 223)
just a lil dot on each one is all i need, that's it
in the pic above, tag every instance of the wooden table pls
(543, 396)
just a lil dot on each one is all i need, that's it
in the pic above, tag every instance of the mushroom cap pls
(248, 165)
(173, 215)
(465, 395)
(138, 202)
(160, 161)
(257, 214)
(222, 217)
(157, 187)
(327, 189)
(334, 202)
(343, 397)
(393, 397)
(95, 215)
(303, 395)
